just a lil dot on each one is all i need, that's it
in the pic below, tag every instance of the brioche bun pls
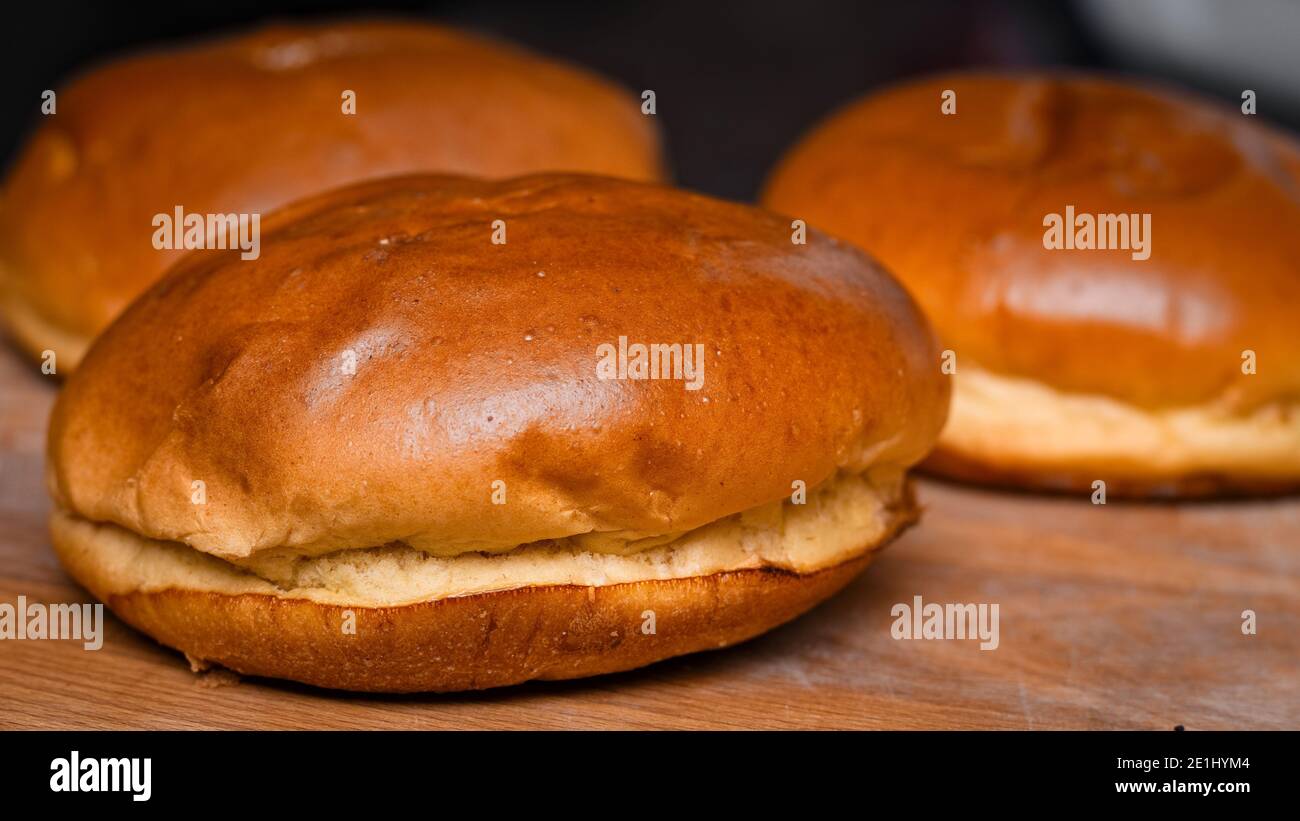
(392, 414)
(1077, 365)
(248, 123)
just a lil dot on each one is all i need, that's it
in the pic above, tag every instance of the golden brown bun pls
(476, 362)
(954, 205)
(249, 123)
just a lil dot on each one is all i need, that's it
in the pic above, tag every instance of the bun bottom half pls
(1014, 432)
(216, 613)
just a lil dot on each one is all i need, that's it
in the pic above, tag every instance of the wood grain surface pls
(1115, 616)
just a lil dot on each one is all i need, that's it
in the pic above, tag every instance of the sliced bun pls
(472, 463)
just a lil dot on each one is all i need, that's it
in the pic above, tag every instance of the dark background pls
(736, 82)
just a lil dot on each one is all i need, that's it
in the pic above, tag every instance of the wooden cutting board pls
(1120, 615)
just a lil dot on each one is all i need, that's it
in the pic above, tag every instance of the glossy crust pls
(249, 123)
(469, 642)
(954, 207)
(476, 363)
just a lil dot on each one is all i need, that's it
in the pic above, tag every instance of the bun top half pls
(955, 206)
(384, 363)
(250, 123)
